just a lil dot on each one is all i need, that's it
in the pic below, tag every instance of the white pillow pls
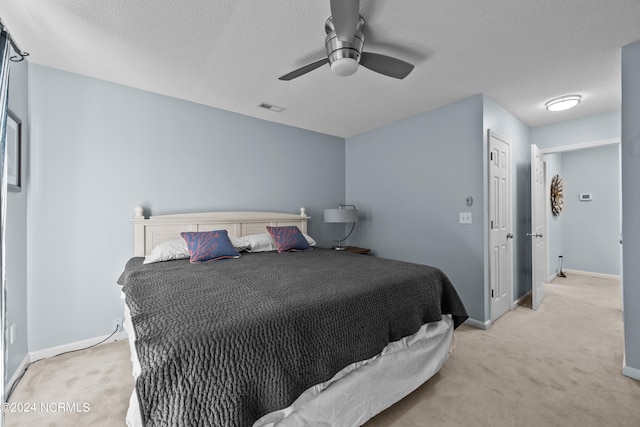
(260, 243)
(167, 251)
(240, 243)
(264, 243)
(177, 249)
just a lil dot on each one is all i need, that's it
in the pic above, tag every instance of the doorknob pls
(509, 236)
(534, 235)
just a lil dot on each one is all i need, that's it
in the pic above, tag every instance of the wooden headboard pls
(160, 228)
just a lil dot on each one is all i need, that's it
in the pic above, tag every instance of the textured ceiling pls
(229, 54)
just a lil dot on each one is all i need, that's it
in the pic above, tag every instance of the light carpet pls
(557, 366)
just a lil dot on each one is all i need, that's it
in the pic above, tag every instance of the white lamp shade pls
(341, 215)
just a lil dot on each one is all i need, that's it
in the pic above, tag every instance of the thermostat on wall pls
(586, 197)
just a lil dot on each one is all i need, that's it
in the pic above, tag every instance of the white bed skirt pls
(359, 391)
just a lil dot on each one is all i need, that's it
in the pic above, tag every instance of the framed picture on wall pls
(14, 148)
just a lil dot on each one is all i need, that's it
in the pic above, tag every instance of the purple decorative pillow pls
(209, 245)
(288, 238)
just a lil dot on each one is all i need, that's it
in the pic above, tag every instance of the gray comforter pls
(223, 343)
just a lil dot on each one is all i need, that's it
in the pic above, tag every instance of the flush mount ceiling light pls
(563, 103)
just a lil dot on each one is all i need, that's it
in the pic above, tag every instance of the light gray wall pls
(100, 149)
(420, 171)
(631, 202)
(555, 223)
(499, 120)
(16, 233)
(586, 129)
(591, 230)
(410, 180)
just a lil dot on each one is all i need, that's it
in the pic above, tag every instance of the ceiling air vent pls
(274, 108)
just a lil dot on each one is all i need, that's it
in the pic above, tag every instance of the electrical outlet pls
(117, 325)
(465, 217)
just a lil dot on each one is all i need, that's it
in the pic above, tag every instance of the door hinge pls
(491, 156)
(491, 293)
(491, 228)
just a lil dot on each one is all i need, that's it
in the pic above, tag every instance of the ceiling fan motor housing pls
(344, 56)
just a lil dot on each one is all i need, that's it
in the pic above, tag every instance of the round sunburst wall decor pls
(557, 201)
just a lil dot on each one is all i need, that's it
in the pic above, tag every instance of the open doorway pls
(585, 236)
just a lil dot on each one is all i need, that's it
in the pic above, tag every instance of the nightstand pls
(357, 250)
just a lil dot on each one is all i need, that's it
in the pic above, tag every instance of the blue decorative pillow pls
(209, 245)
(288, 238)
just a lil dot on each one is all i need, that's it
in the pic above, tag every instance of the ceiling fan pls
(344, 44)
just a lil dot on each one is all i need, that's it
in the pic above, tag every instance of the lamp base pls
(339, 248)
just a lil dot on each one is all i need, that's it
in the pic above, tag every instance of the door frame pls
(538, 278)
(575, 147)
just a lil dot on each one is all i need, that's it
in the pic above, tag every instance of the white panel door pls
(538, 234)
(500, 237)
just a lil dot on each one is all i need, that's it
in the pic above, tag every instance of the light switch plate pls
(465, 217)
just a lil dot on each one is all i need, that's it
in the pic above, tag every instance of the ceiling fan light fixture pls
(563, 103)
(344, 57)
(344, 67)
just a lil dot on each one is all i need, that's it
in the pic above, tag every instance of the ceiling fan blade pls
(386, 65)
(304, 70)
(345, 15)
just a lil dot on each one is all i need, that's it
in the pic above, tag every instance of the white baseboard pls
(519, 301)
(630, 372)
(54, 351)
(591, 273)
(552, 278)
(16, 375)
(478, 324)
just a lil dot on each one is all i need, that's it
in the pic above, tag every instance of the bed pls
(310, 337)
